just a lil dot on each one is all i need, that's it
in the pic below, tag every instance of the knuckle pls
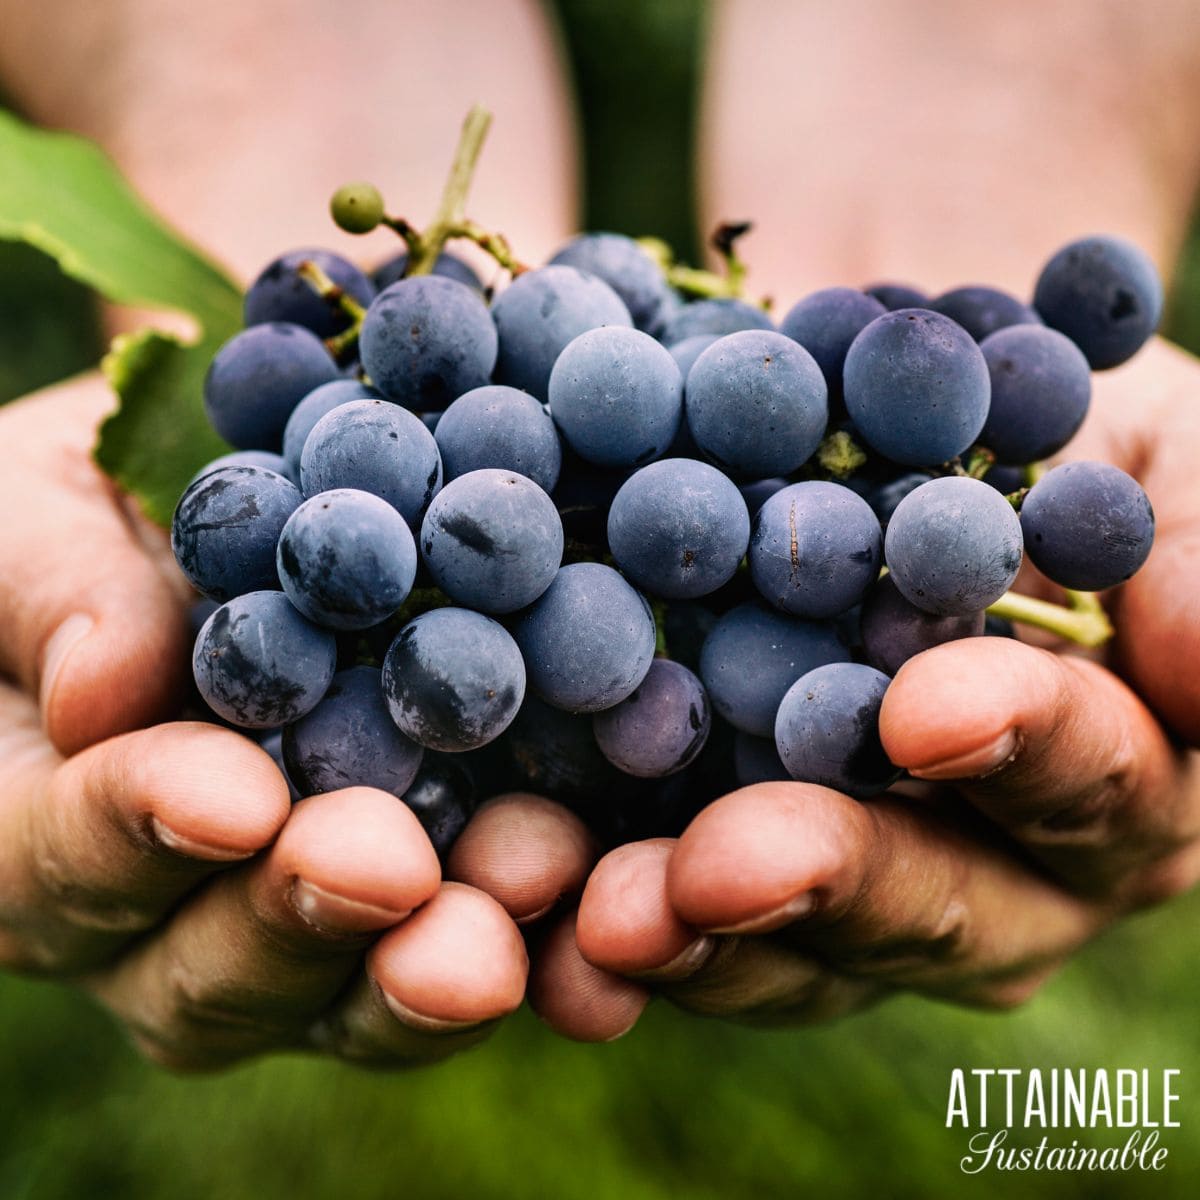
(1168, 878)
(197, 999)
(1004, 995)
(178, 1057)
(65, 888)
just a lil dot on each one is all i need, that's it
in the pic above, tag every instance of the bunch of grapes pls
(626, 545)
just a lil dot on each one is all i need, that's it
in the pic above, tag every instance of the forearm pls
(943, 143)
(237, 121)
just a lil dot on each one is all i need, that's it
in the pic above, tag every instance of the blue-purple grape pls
(827, 730)
(756, 760)
(443, 797)
(897, 295)
(346, 559)
(826, 322)
(281, 294)
(350, 740)
(1087, 525)
(617, 397)
(625, 267)
(311, 409)
(588, 641)
(1041, 389)
(259, 664)
(953, 546)
(753, 655)
(917, 387)
(266, 459)
(983, 310)
(258, 377)
(815, 549)
(757, 404)
(427, 340)
(660, 727)
(678, 528)
(226, 526)
(446, 264)
(375, 447)
(492, 540)
(893, 630)
(500, 427)
(720, 316)
(453, 679)
(1104, 294)
(540, 312)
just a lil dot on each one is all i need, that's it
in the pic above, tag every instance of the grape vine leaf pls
(62, 195)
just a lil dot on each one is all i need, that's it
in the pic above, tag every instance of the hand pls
(164, 870)
(1054, 799)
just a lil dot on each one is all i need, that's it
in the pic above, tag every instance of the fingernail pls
(337, 914)
(190, 848)
(536, 915)
(799, 906)
(616, 1037)
(975, 763)
(58, 650)
(416, 1020)
(685, 964)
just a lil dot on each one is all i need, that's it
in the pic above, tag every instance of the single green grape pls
(357, 207)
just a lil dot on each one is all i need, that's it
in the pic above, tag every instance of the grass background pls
(681, 1107)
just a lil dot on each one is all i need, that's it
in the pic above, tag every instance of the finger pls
(98, 849)
(626, 924)
(576, 999)
(252, 960)
(87, 620)
(434, 986)
(891, 890)
(1056, 750)
(760, 982)
(1158, 634)
(1144, 418)
(524, 851)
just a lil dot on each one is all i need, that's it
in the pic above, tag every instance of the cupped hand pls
(163, 868)
(1049, 796)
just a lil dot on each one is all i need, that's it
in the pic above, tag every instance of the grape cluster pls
(595, 538)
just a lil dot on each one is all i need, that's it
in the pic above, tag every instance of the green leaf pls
(60, 194)
(159, 437)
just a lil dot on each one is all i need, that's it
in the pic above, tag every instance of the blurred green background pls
(681, 1107)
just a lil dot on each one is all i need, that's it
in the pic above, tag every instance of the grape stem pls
(696, 282)
(398, 225)
(496, 244)
(979, 462)
(724, 241)
(329, 291)
(1084, 622)
(840, 455)
(340, 344)
(425, 247)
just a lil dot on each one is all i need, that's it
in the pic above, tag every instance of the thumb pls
(89, 623)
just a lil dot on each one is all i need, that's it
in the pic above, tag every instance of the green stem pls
(398, 225)
(694, 281)
(496, 244)
(330, 292)
(979, 462)
(1087, 626)
(1034, 472)
(840, 455)
(724, 241)
(428, 245)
